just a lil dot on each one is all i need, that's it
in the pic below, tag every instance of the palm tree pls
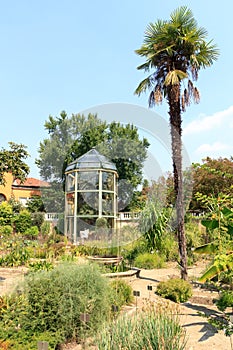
(175, 50)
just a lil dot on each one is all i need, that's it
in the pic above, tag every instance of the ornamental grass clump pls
(150, 329)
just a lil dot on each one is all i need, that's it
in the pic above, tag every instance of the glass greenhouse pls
(90, 197)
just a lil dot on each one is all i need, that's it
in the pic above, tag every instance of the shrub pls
(37, 219)
(225, 300)
(23, 221)
(6, 230)
(16, 205)
(122, 293)
(149, 329)
(32, 232)
(175, 289)
(149, 261)
(56, 299)
(132, 250)
(6, 214)
(101, 223)
(35, 204)
(169, 247)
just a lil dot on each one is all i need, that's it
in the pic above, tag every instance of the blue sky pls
(72, 55)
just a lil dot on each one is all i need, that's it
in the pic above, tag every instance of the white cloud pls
(205, 123)
(212, 149)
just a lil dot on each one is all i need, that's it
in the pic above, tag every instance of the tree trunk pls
(176, 131)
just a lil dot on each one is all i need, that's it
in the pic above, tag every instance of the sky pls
(74, 55)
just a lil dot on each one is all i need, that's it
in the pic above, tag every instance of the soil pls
(200, 334)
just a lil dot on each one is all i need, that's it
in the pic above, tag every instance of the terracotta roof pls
(30, 182)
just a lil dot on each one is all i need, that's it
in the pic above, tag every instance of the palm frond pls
(145, 66)
(183, 17)
(143, 51)
(208, 53)
(174, 77)
(153, 30)
(143, 86)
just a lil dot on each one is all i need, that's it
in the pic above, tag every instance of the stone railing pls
(51, 216)
(128, 216)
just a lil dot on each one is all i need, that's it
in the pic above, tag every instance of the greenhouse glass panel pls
(107, 203)
(70, 182)
(87, 203)
(107, 181)
(88, 180)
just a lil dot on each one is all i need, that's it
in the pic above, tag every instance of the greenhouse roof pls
(91, 160)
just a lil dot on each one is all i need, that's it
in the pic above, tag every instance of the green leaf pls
(230, 229)
(209, 274)
(210, 224)
(210, 248)
(227, 212)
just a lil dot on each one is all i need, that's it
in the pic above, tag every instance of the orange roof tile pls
(30, 182)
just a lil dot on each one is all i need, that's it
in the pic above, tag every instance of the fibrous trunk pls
(175, 124)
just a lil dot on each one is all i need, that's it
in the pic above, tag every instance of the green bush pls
(6, 214)
(150, 329)
(23, 221)
(149, 261)
(56, 299)
(122, 293)
(37, 219)
(6, 230)
(225, 300)
(175, 289)
(32, 232)
(101, 223)
(169, 247)
(35, 204)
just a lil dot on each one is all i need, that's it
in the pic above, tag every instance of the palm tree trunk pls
(176, 131)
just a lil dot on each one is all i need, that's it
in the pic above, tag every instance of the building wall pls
(22, 195)
(18, 193)
(7, 189)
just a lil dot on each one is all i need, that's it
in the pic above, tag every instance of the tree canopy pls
(212, 177)
(71, 137)
(13, 160)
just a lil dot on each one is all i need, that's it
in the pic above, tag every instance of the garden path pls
(201, 335)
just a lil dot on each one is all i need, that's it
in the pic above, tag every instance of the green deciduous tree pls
(12, 160)
(175, 51)
(69, 138)
(212, 177)
(56, 150)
